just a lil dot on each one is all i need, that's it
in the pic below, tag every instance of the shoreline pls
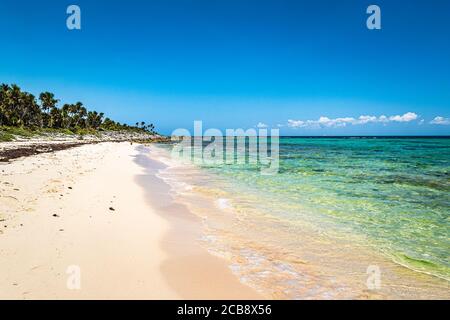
(113, 210)
(44, 143)
(190, 269)
(290, 259)
(83, 207)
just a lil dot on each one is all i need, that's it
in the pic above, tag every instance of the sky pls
(303, 67)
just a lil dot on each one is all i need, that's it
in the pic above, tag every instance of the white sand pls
(129, 253)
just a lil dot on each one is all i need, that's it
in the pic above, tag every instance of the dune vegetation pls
(21, 114)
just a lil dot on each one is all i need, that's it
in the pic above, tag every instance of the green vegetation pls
(4, 137)
(21, 114)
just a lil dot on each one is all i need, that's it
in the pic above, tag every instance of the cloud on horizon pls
(325, 122)
(440, 121)
(261, 125)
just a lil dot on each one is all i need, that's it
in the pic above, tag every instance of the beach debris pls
(70, 188)
(33, 149)
(55, 215)
(112, 209)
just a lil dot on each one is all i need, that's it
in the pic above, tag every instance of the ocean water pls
(336, 207)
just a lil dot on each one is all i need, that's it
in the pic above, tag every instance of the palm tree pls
(48, 102)
(79, 115)
(31, 115)
(4, 100)
(94, 119)
(19, 108)
(65, 116)
(56, 120)
(13, 105)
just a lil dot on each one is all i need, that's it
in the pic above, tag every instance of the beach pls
(121, 220)
(83, 223)
(225, 150)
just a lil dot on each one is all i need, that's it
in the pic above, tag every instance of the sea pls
(341, 218)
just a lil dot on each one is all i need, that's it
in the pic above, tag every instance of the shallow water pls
(336, 207)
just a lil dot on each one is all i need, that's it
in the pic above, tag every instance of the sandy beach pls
(97, 215)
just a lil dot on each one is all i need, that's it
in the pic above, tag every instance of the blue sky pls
(237, 63)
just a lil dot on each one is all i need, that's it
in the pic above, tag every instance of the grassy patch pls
(8, 133)
(17, 131)
(5, 137)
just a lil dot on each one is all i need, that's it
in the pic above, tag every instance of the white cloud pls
(441, 121)
(410, 116)
(342, 122)
(383, 119)
(261, 125)
(367, 119)
(338, 122)
(295, 123)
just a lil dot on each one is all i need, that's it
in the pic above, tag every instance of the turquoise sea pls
(389, 194)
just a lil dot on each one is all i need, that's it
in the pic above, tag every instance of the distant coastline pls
(22, 115)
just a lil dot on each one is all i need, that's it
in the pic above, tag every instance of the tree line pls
(21, 109)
